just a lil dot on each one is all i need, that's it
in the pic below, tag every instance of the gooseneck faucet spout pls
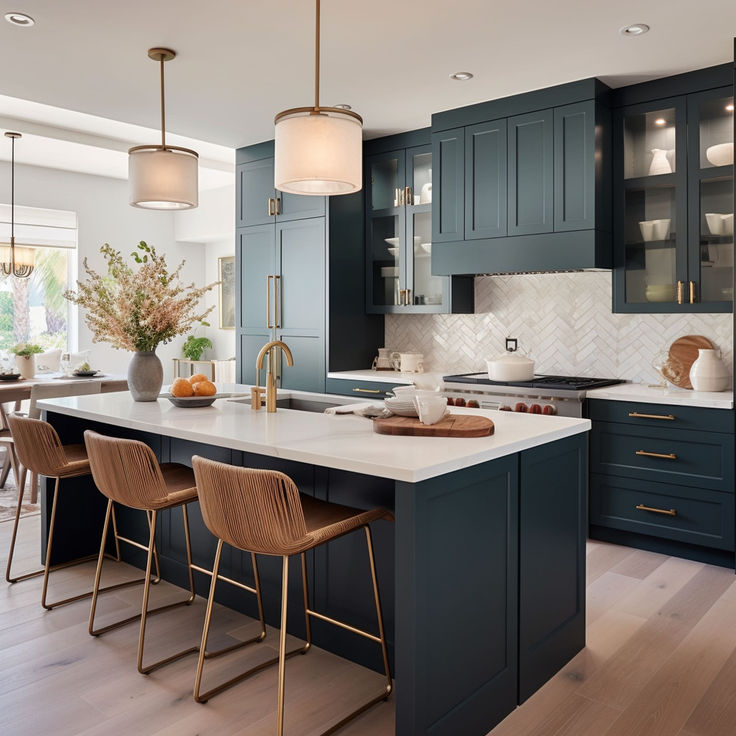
(268, 349)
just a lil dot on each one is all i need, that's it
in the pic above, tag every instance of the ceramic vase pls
(145, 376)
(660, 163)
(708, 373)
(26, 365)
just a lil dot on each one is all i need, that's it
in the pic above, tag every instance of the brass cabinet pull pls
(668, 456)
(692, 292)
(402, 297)
(407, 196)
(666, 512)
(402, 192)
(367, 391)
(277, 300)
(277, 206)
(396, 197)
(679, 292)
(271, 208)
(268, 301)
(637, 415)
(408, 297)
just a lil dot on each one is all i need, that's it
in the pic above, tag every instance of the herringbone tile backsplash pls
(563, 321)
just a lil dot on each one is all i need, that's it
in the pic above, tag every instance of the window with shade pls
(33, 309)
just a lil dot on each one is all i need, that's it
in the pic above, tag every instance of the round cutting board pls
(453, 425)
(683, 353)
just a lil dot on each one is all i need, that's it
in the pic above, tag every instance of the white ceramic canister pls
(511, 366)
(708, 373)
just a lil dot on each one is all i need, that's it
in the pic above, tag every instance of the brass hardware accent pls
(256, 394)
(679, 292)
(276, 300)
(407, 196)
(396, 197)
(278, 206)
(667, 456)
(666, 512)
(268, 302)
(637, 415)
(402, 193)
(270, 348)
(367, 391)
(408, 297)
(692, 292)
(402, 296)
(271, 208)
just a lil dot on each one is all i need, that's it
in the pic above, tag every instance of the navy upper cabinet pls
(531, 190)
(530, 173)
(486, 159)
(673, 197)
(258, 203)
(400, 208)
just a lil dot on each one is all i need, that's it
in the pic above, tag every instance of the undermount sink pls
(292, 402)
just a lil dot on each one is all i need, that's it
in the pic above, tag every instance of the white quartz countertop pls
(663, 395)
(392, 377)
(344, 442)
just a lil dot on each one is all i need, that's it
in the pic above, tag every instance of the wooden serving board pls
(453, 425)
(683, 353)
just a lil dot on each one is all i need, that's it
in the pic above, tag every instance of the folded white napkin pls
(365, 408)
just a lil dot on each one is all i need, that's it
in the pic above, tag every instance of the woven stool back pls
(125, 470)
(38, 445)
(254, 510)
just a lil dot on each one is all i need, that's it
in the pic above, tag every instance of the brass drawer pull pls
(368, 391)
(668, 456)
(666, 512)
(636, 415)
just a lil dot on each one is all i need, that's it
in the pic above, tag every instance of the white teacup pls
(430, 407)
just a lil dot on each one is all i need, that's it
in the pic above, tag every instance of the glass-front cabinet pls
(398, 187)
(673, 208)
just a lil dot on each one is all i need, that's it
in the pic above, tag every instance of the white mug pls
(430, 407)
(408, 362)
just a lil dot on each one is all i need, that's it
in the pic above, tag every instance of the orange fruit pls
(205, 388)
(197, 377)
(181, 388)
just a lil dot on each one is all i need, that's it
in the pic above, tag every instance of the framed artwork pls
(226, 276)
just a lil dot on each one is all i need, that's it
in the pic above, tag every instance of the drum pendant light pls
(318, 150)
(163, 177)
(14, 261)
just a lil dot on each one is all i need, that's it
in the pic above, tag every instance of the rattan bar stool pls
(262, 511)
(127, 472)
(39, 449)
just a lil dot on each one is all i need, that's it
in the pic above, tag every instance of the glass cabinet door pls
(426, 289)
(384, 248)
(420, 176)
(385, 181)
(649, 143)
(711, 196)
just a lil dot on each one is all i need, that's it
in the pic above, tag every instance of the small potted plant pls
(193, 347)
(25, 358)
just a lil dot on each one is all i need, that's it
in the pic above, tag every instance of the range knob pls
(549, 409)
(521, 407)
(535, 409)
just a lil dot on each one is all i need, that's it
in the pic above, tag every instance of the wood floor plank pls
(639, 564)
(715, 714)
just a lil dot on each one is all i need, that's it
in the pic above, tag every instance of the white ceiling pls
(241, 61)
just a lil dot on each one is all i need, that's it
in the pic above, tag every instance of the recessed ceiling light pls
(635, 29)
(660, 121)
(729, 108)
(19, 19)
(461, 76)
(343, 106)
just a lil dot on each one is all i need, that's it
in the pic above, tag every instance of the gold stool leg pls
(379, 611)
(307, 620)
(282, 644)
(206, 628)
(20, 477)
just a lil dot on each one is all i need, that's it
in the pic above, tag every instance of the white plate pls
(392, 241)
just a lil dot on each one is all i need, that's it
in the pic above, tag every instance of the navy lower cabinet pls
(532, 190)
(662, 478)
(481, 574)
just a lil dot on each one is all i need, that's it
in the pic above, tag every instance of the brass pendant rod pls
(163, 105)
(12, 198)
(316, 58)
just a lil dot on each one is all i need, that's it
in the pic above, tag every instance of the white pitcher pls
(708, 373)
(660, 163)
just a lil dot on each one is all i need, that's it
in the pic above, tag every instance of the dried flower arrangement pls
(137, 309)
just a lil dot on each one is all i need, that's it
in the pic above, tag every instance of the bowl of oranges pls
(193, 392)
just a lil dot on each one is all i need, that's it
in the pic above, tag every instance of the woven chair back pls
(254, 510)
(56, 390)
(125, 470)
(37, 445)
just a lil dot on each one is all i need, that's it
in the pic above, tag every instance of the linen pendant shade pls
(318, 150)
(163, 177)
(15, 261)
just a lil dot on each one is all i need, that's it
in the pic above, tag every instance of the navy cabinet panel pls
(360, 389)
(661, 416)
(485, 180)
(257, 263)
(253, 190)
(301, 288)
(552, 524)
(693, 515)
(702, 459)
(308, 371)
(530, 179)
(250, 345)
(574, 166)
(298, 206)
(448, 161)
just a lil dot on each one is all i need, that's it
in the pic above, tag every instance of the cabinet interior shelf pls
(656, 181)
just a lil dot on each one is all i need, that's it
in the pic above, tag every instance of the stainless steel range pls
(561, 395)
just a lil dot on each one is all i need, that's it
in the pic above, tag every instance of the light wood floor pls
(660, 661)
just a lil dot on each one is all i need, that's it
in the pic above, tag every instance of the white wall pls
(105, 216)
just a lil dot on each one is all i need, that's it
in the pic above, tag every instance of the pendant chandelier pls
(14, 261)
(318, 150)
(163, 177)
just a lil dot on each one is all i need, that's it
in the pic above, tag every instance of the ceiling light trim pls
(20, 20)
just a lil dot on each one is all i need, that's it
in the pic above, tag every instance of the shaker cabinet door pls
(448, 163)
(255, 188)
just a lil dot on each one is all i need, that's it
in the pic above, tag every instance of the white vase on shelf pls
(708, 373)
(660, 163)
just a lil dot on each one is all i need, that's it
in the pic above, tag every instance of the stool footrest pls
(343, 625)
